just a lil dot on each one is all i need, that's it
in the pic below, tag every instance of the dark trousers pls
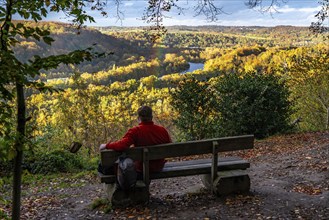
(112, 170)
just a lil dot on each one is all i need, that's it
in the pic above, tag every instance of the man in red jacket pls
(145, 134)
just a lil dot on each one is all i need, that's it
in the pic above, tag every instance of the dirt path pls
(289, 180)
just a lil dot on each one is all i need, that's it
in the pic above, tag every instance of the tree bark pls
(21, 120)
(19, 144)
(327, 124)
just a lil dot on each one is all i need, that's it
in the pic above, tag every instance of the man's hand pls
(102, 147)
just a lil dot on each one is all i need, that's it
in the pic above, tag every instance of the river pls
(193, 67)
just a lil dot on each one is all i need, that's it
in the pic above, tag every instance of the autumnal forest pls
(255, 80)
(96, 101)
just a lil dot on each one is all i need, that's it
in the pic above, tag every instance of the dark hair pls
(145, 113)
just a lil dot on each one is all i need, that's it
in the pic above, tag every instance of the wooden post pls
(146, 170)
(215, 146)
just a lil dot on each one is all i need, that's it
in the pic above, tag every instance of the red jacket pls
(145, 134)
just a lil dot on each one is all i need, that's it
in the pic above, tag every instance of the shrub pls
(253, 104)
(6, 168)
(53, 162)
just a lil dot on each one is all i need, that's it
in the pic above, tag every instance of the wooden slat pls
(222, 163)
(200, 147)
(108, 157)
(188, 168)
(197, 169)
(107, 178)
(200, 161)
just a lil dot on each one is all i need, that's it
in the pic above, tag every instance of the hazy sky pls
(294, 12)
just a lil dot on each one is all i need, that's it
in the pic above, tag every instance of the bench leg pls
(139, 195)
(228, 182)
(109, 190)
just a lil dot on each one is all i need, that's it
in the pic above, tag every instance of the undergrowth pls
(102, 204)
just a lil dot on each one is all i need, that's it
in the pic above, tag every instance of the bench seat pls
(189, 168)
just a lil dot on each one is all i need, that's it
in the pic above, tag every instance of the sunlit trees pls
(174, 63)
(307, 71)
(197, 110)
(16, 75)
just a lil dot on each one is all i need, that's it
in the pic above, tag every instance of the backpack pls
(126, 175)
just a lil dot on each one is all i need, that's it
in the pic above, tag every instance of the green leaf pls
(19, 26)
(26, 15)
(36, 17)
(44, 12)
(48, 40)
(47, 3)
(37, 37)
(11, 154)
(3, 9)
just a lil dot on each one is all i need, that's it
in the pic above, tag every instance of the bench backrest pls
(209, 146)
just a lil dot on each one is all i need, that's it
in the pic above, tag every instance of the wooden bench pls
(224, 175)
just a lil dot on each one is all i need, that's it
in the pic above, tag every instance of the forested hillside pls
(131, 45)
(256, 80)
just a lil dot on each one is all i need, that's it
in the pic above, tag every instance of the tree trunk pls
(327, 125)
(21, 120)
(19, 144)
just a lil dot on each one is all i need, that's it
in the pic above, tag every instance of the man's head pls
(145, 113)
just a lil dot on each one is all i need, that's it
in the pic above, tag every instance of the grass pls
(4, 202)
(42, 183)
(33, 184)
(39, 179)
(102, 204)
(3, 215)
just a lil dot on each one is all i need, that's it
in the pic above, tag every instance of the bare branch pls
(157, 10)
(320, 27)
(208, 9)
(154, 14)
(261, 5)
(119, 14)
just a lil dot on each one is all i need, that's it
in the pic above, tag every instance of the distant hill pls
(68, 39)
(130, 45)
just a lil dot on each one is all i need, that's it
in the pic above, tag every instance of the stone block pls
(109, 190)
(228, 182)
